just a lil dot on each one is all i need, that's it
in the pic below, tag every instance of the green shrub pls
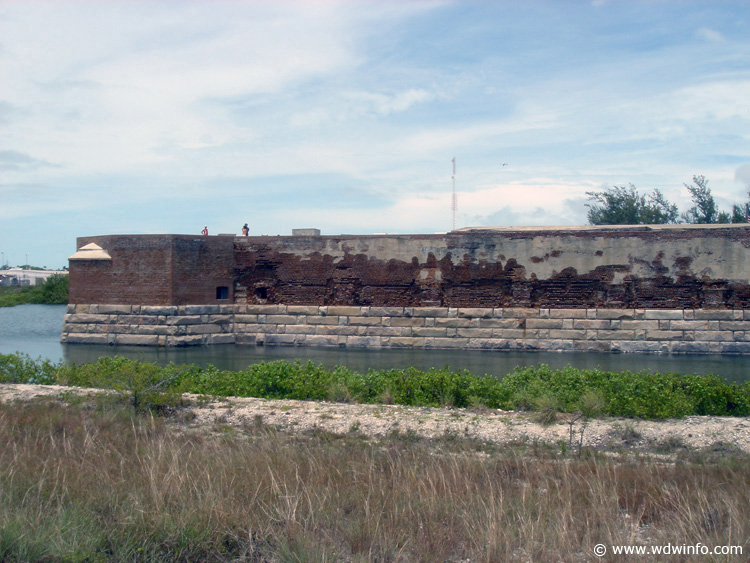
(643, 394)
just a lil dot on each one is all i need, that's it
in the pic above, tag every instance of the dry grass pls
(91, 481)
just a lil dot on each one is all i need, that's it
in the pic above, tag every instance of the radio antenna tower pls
(454, 201)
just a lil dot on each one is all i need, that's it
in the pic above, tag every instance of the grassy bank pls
(593, 391)
(54, 291)
(95, 480)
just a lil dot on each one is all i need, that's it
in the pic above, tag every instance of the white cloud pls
(349, 112)
(710, 35)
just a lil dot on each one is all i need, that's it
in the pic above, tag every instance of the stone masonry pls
(602, 330)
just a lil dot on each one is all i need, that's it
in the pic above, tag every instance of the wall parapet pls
(679, 331)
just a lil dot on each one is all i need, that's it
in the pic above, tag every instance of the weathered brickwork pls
(601, 330)
(640, 289)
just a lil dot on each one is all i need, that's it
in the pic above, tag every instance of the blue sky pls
(164, 116)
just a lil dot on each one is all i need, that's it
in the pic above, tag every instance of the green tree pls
(622, 205)
(704, 210)
(55, 290)
(740, 213)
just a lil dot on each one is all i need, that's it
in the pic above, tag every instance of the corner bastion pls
(666, 288)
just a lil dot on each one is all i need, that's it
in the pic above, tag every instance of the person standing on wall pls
(245, 229)
(204, 232)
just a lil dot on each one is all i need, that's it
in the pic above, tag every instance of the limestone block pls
(137, 340)
(475, 313)
(203, 329)
(219, 319)
(475, 332)
(637, 347)
(180, 341)
(646, 325)
(690, 347)
(567, 334)
(71, 308)
(384, 312)
(300, 329)
(155, 329)
(567, 313)
(80, 338)
(266, 309)
(390, 330)
(549, 345)
(348, 311)
(88, 318)
(363, 342)
(429, 331)
(430, 312)
(734, 325)
(253, 328)
(592, 346)
(320, 340)
(735, 347)
(246, 318)
(499, 323)
(664, 334)
(285, 319)
(543, 323)
(713, 315)
(489, 343)
(408, 321)
(244, 339)
(446, 343)
(158, 310)
(221, 339)
(453, 323)
(590, 324)
(617, 313)
(714, 335)
(199, 310)
(114, 309)
(282, 339)
(340, 330)
(663, 314)
(617, 334)
(520, 313)
(514, 333)
(407, 342)
(366, 321)
(322, 320)
(302, 310)
(184, 320)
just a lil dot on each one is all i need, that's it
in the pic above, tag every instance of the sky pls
(128, 117)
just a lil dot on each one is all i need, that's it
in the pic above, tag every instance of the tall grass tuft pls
(100, 482)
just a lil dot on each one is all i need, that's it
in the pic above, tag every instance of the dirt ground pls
(487, 425)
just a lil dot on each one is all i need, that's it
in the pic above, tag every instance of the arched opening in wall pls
(222, 292)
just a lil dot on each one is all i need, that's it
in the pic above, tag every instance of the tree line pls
(625, 205)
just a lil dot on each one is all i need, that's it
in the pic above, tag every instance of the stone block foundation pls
(685, 331)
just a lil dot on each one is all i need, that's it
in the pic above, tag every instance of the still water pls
(35, 330)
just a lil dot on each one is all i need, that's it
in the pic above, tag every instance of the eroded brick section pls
(640, 268)
(597, 268)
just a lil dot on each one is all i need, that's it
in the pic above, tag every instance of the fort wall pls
(678, 289)
(601, 330)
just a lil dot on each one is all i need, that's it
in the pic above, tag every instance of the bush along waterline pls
(641, 394)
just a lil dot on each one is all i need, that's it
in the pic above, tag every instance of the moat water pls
(35, 330)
